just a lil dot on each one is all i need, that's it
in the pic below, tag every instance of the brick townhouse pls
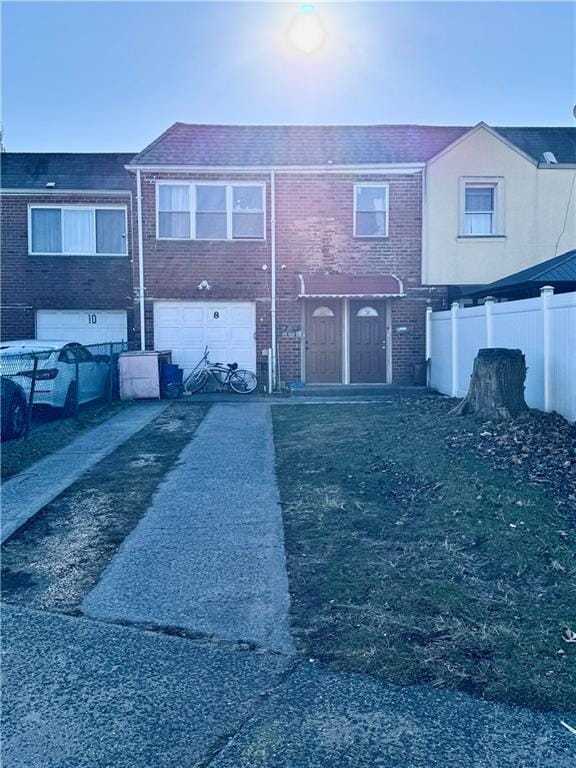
(303, 240)
(319, 226)
(66, 247)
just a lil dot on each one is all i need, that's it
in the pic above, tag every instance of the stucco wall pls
(539, 216)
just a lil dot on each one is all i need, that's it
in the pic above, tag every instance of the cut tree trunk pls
(496, 386)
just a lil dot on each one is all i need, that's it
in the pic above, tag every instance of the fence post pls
(454, 309)
(489, 304)
(428, 344)
(77, 399)
(545, 293)
(31, 398)
(110, 373)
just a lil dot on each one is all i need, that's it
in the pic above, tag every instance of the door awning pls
(349, 286)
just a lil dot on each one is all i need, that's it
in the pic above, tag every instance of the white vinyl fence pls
(544, 328)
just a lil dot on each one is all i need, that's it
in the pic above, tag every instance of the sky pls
(111, 76)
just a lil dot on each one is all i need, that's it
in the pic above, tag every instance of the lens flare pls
(306, 32)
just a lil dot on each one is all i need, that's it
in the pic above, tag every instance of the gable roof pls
(560, 269)
(276, 145)
(352, 145)
(33, 170)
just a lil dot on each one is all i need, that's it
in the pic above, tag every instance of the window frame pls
(497, 184)
(80, 206)
(229, 210)
(383, 185)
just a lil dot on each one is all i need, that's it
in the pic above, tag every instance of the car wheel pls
(70, 402)
(17, 416)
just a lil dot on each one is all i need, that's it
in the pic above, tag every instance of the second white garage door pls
(86, 326)
(228, 329)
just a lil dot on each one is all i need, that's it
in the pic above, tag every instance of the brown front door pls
(367, 342)
(324, 341)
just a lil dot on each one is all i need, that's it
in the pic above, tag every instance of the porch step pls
(358, 390)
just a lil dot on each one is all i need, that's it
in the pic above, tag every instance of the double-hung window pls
(78, 230)
(174, 210)
(371, 210)
(481, 208)
(211, 211)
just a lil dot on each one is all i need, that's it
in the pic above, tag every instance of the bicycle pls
(226, 377)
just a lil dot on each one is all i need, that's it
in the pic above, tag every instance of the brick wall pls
(314, 233)
(173, 269)
(55, 282)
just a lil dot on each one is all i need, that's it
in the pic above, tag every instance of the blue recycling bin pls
(171, 378)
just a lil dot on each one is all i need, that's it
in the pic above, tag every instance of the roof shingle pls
(261, 145)
(33, 170)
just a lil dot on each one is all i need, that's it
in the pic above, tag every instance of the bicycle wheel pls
(243, 382)
(196, 382)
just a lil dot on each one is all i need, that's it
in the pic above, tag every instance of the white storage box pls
(139, 374)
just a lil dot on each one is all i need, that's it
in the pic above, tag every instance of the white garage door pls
(86, 326)
(228, 329)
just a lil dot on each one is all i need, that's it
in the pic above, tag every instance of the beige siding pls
(539, 208)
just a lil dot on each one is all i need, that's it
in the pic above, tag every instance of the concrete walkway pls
(208, 556)
(24, 495)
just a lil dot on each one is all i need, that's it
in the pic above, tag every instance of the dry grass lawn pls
(412, 558)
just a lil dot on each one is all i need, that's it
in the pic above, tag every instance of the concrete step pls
(358, 390)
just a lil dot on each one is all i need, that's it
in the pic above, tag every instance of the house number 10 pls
(92, 319)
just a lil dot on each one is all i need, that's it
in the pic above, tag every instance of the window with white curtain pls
(371, 210)
(481, 207)
(174, 211)
(80, 230)
(211, 211)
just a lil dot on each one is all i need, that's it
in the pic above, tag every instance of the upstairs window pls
(204, 211)
(211, 213)
(174, 211)
(371, 210)
(247, 213)
(77, 230)
(481, 208)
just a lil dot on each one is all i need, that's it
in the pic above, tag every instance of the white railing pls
(544, 328)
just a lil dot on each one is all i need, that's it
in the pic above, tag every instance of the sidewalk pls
(24, 495)
(208, 556)
(80, 693)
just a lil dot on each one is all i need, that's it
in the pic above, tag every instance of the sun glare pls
(306, 32)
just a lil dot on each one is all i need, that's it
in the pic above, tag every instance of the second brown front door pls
(324, 341)
(367, 342)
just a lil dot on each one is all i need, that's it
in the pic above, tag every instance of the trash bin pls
(419, 373)
(171, 378)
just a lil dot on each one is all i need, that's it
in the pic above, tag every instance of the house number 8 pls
(216, 315)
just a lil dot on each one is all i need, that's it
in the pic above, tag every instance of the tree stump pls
(496, 386)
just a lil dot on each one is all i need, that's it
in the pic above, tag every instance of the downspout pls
(424, 245)
(273, 361)
(140, 260)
